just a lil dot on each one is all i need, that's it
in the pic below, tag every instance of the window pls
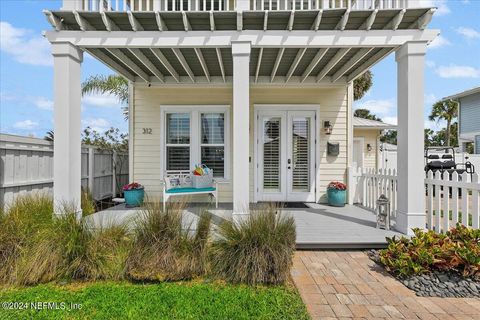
(195, 135)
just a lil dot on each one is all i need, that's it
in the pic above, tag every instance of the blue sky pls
(26, 75)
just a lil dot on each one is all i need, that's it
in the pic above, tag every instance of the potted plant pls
(336, 193)
(134, 193)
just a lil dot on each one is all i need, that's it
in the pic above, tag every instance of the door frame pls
(285, 107)
(362, 146)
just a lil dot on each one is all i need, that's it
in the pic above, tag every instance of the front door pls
(286, 156)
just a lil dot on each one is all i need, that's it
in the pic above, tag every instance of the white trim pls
(284, 107)
(195, 145)
(258, 38)
(362, 145)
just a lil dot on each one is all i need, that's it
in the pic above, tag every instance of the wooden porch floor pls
(318, 226)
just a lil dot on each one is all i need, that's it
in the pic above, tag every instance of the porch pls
(318, 226)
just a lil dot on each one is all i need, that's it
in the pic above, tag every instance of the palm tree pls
(365, 114)
(362, 84)
(445, 110)
(113, 84)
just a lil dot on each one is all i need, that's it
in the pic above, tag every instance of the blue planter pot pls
(134, 198)
(336, 197)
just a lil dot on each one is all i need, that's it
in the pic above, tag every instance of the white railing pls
(366, 186)
(227, 5)
(451, 199)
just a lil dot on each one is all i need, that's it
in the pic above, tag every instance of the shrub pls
(162, 250)
(20, 222)
(258, 250)
(457, 250)
(87, 202)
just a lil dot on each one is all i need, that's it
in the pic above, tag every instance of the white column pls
(410, 95)
(241, 124)
(67, 146)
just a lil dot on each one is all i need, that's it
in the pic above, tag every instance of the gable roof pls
(463, 94)
(361, 123)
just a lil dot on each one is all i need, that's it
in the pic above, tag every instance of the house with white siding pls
(468, 118)
(260, 91)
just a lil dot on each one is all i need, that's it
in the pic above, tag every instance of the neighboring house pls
(468, 118)
(367, 151)
(254, 89)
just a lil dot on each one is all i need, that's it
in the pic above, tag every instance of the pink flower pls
(132, 186)
(337, 185)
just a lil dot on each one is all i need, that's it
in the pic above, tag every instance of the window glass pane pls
(301, 154)
(178, 158)
(178, 128)
(213, 126)
(214, 158)
(271, 154)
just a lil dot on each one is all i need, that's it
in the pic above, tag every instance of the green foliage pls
(87, 202)
(457, 250)
(445, 110)
(365, 114)
(389, 136)
(113, 84)
(163, 250)
(258, 250)
(362, 84)
(104, 300)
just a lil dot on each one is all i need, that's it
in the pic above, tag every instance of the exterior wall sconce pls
(327, 127)
(369, 147)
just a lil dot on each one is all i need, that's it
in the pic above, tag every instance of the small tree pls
(362, 84)
(445, 110)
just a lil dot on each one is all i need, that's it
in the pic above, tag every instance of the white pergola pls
(240, 49)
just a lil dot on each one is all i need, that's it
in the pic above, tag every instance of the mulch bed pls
(437, 283)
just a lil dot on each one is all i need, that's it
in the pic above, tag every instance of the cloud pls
(390, 120)
(43, 103)
(439, 42)
(25, 125)
(97, 124)
(24, 45)
(430, 63)
(455, 71)
(103, 101)
(468, 33)
(434, 125)
(378, 107)
(441, 5)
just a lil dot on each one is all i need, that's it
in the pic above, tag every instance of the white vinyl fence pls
(26, 165)
(449, 199)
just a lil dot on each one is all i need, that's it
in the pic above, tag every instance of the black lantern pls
(327, 127)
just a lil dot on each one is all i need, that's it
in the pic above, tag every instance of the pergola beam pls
(108, 22)
(277, 63)
(424, 20)
(136, 26)
(259, 62)
(129, 63)
(369, 63)
(239, 20)
(353, 61)
(186, 23)
(343, 22)
(212, 21)
(161, 57)
(313, 63)
(147, 63)
(111, 63)
(184, 63)
(55, 21)
(395, 22)
(291, 20)
(265, 21)
(367, 25)
(295, 63)
(220, 63)
(318, 19)
(258, 38)
(160, 23)
(336, 58)
(82, 22)
(200, 57)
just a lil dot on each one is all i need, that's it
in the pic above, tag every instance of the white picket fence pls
(449, 199)
(26, 166)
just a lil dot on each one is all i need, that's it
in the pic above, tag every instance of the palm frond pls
(112, 84)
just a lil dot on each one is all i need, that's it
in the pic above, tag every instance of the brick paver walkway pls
(346, 285)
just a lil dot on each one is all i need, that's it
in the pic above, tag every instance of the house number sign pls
(147, 130)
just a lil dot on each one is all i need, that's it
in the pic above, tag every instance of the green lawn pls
(188, 300)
